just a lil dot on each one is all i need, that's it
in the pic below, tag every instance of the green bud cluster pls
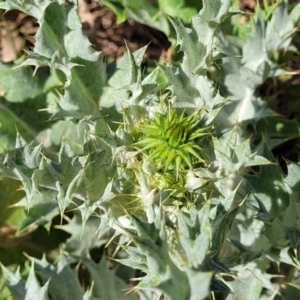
(172, 141)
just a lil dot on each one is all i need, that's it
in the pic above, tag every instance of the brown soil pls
(17, 32)
(100, 26)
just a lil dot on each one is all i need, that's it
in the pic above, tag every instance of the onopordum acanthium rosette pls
(173, 142)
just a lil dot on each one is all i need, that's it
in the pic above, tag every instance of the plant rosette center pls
(172, 142)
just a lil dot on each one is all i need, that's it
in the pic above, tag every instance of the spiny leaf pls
(64, 283)
(195, 277)
(222, 223)
(107, 284)
(29, 290)
(268, 186)
(196, 43)
(60, 42)
(84, 237)
(9, 77)
(195, 239)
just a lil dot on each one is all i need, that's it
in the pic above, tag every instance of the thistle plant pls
(123, 186)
